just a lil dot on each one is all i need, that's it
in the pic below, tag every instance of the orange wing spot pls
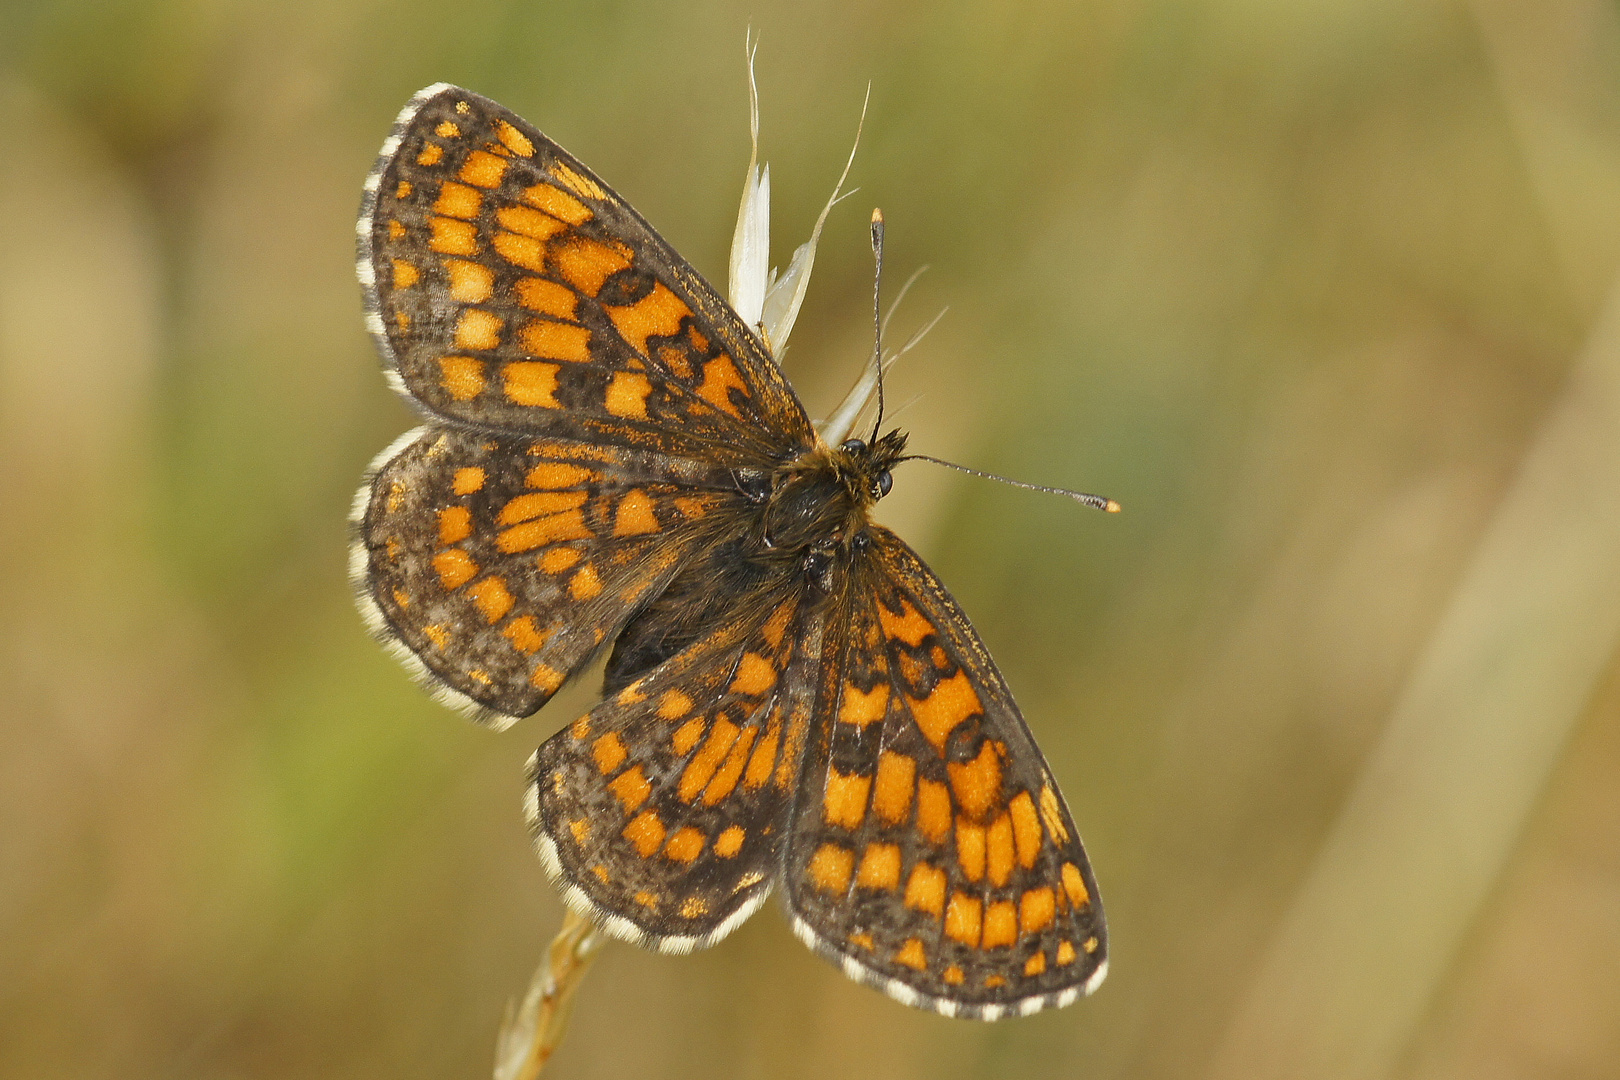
(998, 840)
(468, 480)
(860, 708)
(777, 624)
(543, 531)
(558, 203)
(527, 222)
(759, 766)
(993, 981)
(395, 230)
(478, 675)
(1035, 965)
(953, 975)
(694, 907)
(729, 842)
(634, 515)
(586, 263)
(1065, 952)
(933, 810)
(455, 524)
(693, 507)
(515, 140)
(492, 598)
(585, 584)
(452, 237)
(578, 181)
(447, 130)
(581, 728)
(952, 702)
(685, 845)
(523, 635)
(458, 200)
(754, 677)
(675, 360)
(609, 752)
(673, 705)
(646, 899)
(558, 559)
(687, 735)
(402, 318)
(1052, 814)
(658, 314)
(970, 848)
(631, 789)
(1075, 885)
(529, 382)
(1000, 924)
(524, 251)
(962, 919)
(478, 329)
(461, 376)
(792, 744)
(627, 395)
(863, 941)
(1036, 909)
(403, 191)
(719, 379)
(437, 634)
(912, 955)
(925, 889)
(483, 169)
(880, 867)
(725, 781)
(470, 282)
(1090, 945)
(830, 868)
(909, 626)
(546, 678)
(401, 598)
(845, 800)
(700, 770)
(547, 298)
(896, 778)
(525, 507)
(430, 155)
(552, 475)
(581, 830)
(455, 568)
(405, 274)
(557, 341)
(1026, 829)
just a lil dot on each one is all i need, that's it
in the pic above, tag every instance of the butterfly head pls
(866, 466)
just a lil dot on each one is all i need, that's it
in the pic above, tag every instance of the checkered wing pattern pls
(509, 288)
(498, 564)
(929, 850)
(659, 813)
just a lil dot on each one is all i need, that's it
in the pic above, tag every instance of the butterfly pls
(611, 461)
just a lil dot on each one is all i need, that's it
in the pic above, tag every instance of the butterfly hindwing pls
(501, 563)
(929, 850)
(508, 287)
(660, 812)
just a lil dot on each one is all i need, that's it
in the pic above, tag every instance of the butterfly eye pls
(853, 446)
(884, 483)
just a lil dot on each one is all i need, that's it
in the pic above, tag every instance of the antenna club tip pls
(877, 216)
(1112, 507)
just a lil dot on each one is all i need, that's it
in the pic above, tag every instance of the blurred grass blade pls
(1466, 752)
(531, 1032)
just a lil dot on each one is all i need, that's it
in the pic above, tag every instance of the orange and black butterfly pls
(611, 460)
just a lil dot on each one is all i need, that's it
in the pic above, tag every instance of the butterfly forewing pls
(511, 288)
(929, 851)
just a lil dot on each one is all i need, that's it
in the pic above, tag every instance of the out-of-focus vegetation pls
(1317, 290)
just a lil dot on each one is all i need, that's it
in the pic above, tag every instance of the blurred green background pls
(1319, 290)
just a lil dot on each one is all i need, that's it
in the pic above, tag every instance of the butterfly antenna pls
(877, 316)
(1100, 502)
